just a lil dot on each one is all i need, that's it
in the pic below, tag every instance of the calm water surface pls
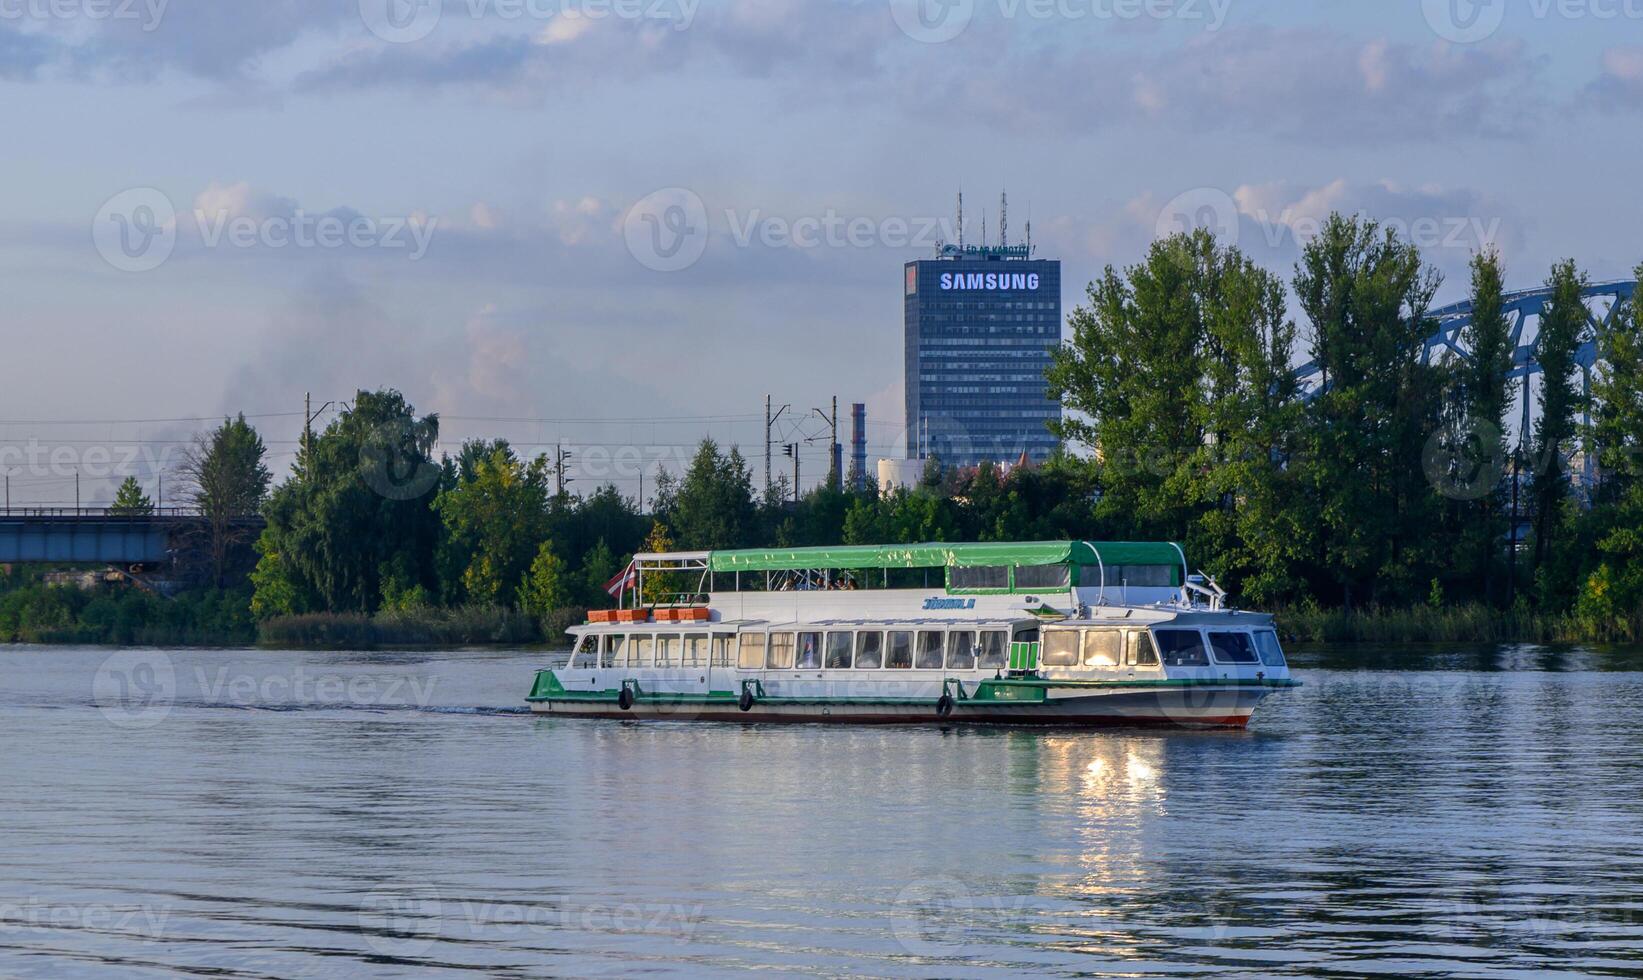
(1440, 812)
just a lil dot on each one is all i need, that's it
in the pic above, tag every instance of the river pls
(1430, 812)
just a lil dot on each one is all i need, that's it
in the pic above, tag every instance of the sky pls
(618, 225)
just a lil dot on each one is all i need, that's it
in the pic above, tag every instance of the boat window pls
(1027, 635)
(869, 650)
(838, 651)
(1272, 655)
(1181, 648)
(1233, 648)
(1142, 652)
(900, 654)
(752, 651)
(721, 651)
(1143, 576)
(587, 653)
(1056, 577)
(780, 656)
(643, 653)
(961, 650)
(929, 650)
(810, 647)
(986, 577)
(1060, 648)
(613, 652)
(667, 651)
(695, 650)
(994, 650)
(1103, 648)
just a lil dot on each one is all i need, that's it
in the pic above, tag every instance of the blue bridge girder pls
(76, 535)
(1451, 321)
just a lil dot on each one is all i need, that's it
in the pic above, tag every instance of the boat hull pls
(1178, 707)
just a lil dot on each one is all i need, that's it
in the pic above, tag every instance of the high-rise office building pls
(980, 324)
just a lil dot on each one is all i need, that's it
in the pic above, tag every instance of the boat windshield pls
(1181, 648)
(1272, 655)
(1232, 648)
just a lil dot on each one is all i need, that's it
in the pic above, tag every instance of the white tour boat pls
(1057, 632)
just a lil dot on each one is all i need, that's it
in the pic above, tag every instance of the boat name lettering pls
(949, 603)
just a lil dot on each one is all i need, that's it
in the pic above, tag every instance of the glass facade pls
(979, 331)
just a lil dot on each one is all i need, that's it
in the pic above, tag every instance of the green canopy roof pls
(936, 555)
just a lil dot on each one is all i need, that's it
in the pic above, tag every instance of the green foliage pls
(1560, 400)
(546, 587)
(226, 482)
(35, 613)
(130, 501)
(496, 520)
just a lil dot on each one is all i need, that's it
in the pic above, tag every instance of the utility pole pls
(308, 417)
(792, 449)
(560, 457)
(769, 422)
(835, 477)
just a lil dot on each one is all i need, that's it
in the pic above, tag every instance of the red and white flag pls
(627, 578)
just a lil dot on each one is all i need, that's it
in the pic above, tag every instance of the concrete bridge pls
(97, 535)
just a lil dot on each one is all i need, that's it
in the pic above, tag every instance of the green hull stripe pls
(1003, 693)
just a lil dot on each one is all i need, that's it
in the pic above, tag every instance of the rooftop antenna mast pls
(983, 227)
(1029, 228)
(961, 217)
(1003, 218)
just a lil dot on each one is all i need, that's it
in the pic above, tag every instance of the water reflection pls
(1401, 817)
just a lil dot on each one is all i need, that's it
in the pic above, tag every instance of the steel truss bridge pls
(96, 535)
(1524, 310)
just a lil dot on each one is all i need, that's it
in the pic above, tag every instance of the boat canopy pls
(937, 555)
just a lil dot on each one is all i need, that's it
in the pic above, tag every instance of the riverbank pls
(1445, 624)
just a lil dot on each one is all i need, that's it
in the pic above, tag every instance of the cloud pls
(1620, 86)
(1304, 84)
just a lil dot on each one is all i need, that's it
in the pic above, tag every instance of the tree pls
(130, 501)
(1366, 293)
(356, 508)
(227, 483)
(499, 519)
(1484, 397)
(1178, 376)
(712, 505)
(1561, 325)
(545, 587)
(1611, 601)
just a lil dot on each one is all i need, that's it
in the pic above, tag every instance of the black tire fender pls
(745, 702)
(944, 705)
(625, 699)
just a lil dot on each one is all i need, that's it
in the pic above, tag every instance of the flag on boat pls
(627, 578)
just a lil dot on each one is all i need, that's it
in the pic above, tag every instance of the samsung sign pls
(988, 280)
